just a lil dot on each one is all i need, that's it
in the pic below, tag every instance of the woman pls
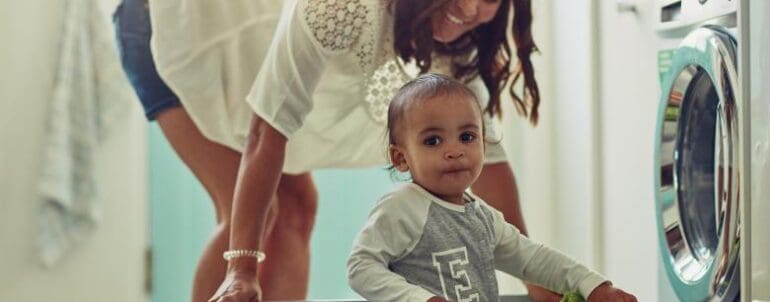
(319, 100)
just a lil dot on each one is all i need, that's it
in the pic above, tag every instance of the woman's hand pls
(539, 294)
(609, 293)
(238, 287)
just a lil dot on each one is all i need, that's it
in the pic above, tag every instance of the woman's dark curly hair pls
(484, 51)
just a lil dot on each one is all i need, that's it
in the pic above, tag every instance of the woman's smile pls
(454, 19)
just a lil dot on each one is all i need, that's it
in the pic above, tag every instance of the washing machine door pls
(697, 162)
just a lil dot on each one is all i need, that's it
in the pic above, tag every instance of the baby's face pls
(442, 143)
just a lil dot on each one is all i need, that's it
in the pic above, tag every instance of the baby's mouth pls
(456, 170)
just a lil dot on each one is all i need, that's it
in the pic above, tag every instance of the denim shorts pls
(133, 32)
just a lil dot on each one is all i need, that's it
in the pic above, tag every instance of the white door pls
(629, 93)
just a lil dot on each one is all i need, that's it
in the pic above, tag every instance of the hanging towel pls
(90, 94)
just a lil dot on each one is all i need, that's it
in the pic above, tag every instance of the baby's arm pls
(386, 236)
(533, 262)
(607, 292)
(554, 270)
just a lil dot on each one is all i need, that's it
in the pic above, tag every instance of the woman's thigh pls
(215, 165)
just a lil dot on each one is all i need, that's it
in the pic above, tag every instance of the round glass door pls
(697, 178)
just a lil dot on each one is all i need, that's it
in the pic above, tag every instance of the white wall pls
(629, 101)
(109, 266)
(575, 133)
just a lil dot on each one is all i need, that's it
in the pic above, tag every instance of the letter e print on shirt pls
(458, 286)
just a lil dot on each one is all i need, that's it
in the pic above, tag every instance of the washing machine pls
(712, 178)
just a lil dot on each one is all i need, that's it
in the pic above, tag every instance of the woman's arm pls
(258, 176)
(497, 186)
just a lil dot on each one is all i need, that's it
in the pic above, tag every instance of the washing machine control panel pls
(675, 15)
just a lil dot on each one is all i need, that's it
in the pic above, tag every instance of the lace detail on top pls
(384, 81)
(385, 73)
(337, 24)
(381, 86)
(365, 28)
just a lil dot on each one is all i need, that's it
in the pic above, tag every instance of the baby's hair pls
(424, 87)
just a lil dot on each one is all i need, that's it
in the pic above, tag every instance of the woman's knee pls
(222, 232)
(297, 204)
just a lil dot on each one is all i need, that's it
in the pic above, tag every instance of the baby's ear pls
(398, 158)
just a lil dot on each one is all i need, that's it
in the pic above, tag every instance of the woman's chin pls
(445, 38)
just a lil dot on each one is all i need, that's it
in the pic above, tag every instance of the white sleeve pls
(308, 34)
(535, 263)
(389, 234)
(494, 152)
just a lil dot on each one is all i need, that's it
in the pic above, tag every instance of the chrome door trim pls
(698, 269)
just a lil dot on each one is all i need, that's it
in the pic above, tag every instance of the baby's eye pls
(432, 141)
(467, 137)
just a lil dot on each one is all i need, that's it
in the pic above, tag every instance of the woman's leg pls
(288, 244)
(213, 164)
(497, 186)
(216, 167)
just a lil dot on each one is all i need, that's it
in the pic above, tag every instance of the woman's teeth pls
(454, 19)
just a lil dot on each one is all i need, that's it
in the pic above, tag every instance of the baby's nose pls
(453, 154)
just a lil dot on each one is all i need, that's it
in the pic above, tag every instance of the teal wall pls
(345, 199)
(182, 219)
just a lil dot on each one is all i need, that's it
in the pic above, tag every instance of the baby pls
(431, 240)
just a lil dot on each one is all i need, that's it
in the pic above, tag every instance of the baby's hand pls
(609, 293)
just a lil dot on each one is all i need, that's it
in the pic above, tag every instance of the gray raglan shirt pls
(416, 246)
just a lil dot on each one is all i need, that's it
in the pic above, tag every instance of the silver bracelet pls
(229, 255)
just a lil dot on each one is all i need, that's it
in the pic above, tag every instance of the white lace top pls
(325, 73)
